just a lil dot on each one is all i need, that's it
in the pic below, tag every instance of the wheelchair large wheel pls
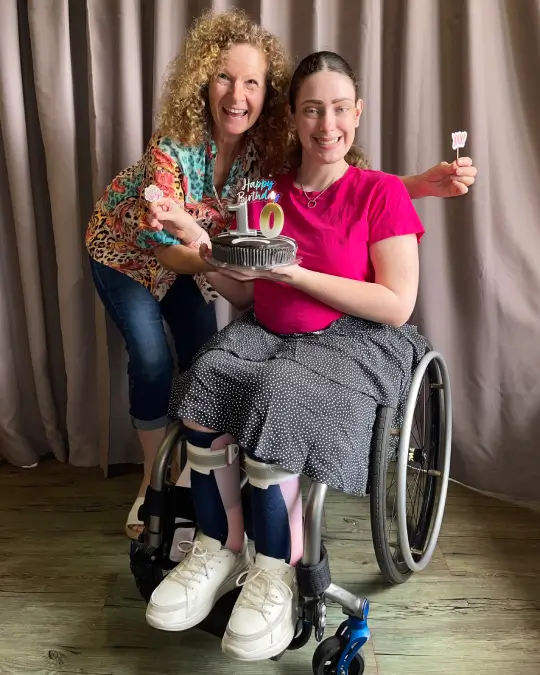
(408, 487)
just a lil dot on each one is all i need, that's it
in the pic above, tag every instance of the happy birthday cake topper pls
(459, 138)
(271, 219)
(260, 190)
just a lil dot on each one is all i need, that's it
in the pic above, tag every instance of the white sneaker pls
(187, 594)
(263, 621)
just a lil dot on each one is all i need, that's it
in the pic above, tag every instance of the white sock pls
(181, 534)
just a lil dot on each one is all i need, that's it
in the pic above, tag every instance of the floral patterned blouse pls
(117, 234)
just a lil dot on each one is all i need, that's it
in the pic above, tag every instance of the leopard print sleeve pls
(161, 169)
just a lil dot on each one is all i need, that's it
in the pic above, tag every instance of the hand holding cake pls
(286, 274)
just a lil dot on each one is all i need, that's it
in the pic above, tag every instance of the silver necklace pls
(312, 201)
(223, 211)
(221, 207)
(220, 203)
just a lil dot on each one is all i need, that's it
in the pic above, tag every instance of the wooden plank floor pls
(68, 603)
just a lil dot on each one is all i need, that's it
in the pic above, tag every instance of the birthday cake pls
(253, 250)
(260, 248)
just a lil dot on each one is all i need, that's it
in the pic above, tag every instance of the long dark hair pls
(319, 62)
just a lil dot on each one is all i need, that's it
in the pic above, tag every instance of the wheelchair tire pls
(392, 566)
(431, 463)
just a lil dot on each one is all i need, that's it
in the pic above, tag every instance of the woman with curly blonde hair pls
(223, 120)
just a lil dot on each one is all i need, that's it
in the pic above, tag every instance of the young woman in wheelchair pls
(296, 381)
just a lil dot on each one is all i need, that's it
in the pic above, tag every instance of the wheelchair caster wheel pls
(328, 655)
(304, 629)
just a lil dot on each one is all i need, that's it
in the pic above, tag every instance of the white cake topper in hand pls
(152, 193)
(459, 138)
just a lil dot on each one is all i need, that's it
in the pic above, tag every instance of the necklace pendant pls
(311, 204)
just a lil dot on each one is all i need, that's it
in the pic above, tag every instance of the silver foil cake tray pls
(262, 268)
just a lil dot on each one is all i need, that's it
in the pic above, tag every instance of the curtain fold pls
(80, 88)
(24, 325)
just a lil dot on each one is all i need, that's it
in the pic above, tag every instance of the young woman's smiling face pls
(326, 116)
(237, 91)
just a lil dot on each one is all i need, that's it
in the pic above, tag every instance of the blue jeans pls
(139, 317)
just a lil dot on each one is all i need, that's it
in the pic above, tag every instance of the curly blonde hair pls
(185, 110)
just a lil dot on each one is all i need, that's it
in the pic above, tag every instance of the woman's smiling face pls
(237, 91)
(326, 116)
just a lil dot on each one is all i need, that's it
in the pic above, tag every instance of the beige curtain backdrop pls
(80, 83)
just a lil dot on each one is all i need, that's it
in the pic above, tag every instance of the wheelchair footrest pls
(313, 580)
(172, 499)
(146, 568)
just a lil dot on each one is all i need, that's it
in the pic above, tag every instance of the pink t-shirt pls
(359, 209)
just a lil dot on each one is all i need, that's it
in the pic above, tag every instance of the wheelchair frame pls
(341, 652)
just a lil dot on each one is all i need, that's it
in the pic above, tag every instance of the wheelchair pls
(409, 460)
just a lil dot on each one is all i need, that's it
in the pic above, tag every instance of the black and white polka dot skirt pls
(306, 402)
